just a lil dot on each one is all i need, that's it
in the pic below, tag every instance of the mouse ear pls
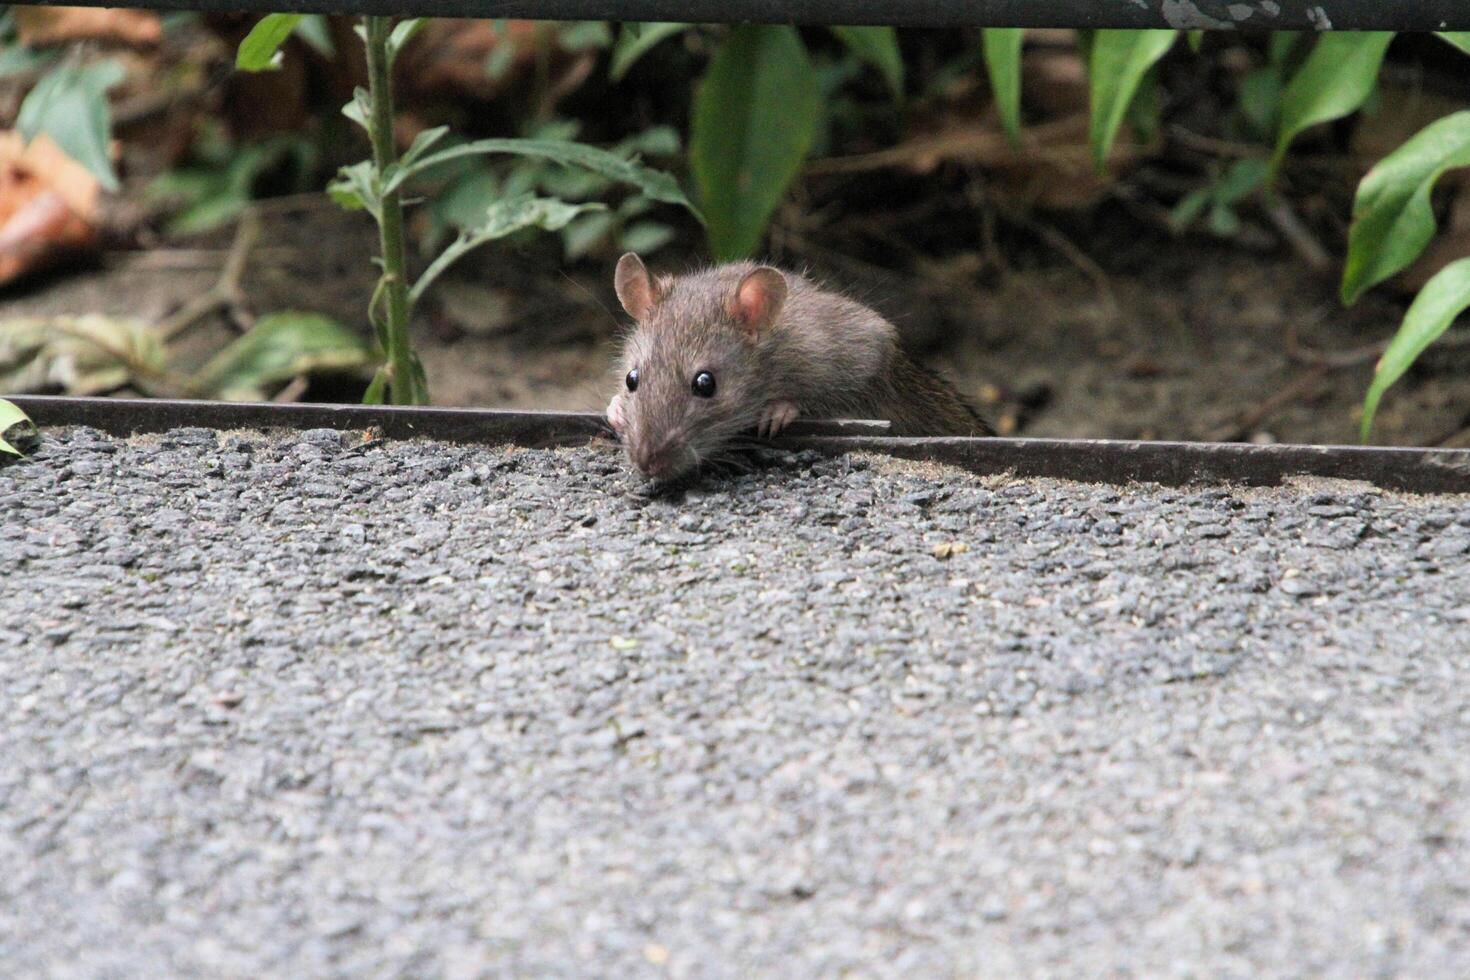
(636, 290)
(758, 300)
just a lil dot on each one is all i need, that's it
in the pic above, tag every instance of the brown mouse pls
(723, 351)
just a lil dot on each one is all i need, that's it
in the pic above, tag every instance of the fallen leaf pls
(44, 26)
(280, 347)
(82, 355)
(948, 549)
(48, 205)
(16, 426)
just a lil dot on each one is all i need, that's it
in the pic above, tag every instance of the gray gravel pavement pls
(308, 708)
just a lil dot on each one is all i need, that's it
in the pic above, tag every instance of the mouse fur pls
(777, 346)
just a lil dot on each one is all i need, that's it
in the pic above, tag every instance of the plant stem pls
(390, 225)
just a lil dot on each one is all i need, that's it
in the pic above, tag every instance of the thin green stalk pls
(395, 272)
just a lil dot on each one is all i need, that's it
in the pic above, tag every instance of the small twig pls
(294, 390)
(1297, 234)
(1248, 421)
(1217, 147)
(1302, 354)
(1069, 250)
(1459, 439)
(227, 293)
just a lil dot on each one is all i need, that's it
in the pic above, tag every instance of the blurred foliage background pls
(1114, 233)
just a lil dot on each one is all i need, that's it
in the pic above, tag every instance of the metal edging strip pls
(1088, 460)
(1264, 15)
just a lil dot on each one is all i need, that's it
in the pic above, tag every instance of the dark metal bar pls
(129, 416)
(1280, 15)
(1093, 461)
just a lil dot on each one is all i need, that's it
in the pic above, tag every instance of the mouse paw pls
(776, 417)
(615, 415)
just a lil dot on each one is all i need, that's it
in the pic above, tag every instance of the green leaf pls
(1337, 78)
(16, 59)
(635, 40)
(1116, 66)
(659, 141)
(360, 108)
(356, 188)
(1393, 219)
(422, 143)
(1280, 45)
(1003, 63)
(377, 388)
(1190, 207)
(403, 32)
(1244, 177)
(755, 115)
(586, 233)
(1441, 300)
(878, 46)
(10, 418)
(1460, 39)
(314, 31)
(504, 217)
(84, 355)
(1260, 99)
(278, 348)
(656, 184)
(69, 104)
(584, 35)
(645, 237)
(500, 58)
(212, 196)
(261, 47)
(418, 381)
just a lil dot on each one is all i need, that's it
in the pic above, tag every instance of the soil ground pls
(1135, 334)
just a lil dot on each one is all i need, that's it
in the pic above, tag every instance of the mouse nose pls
(657, 459)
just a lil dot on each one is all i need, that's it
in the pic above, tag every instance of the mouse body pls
(720, 352)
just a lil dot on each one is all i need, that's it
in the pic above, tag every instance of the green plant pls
(1335, 81)
(12, 418)
(459, 192)
(1393, 220)
(94, 354)
(221, 180)
(756, 115)
(378, 186)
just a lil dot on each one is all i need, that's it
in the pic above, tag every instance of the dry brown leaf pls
(48, 205)
(45, 26)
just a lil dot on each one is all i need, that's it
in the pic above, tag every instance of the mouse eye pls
(632, 380)
(704, 385)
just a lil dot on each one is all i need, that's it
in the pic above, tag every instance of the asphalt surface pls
(314, 708)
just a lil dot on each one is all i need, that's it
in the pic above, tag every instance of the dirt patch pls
(1149, 337)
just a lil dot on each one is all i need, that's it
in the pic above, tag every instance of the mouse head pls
(693, 377)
